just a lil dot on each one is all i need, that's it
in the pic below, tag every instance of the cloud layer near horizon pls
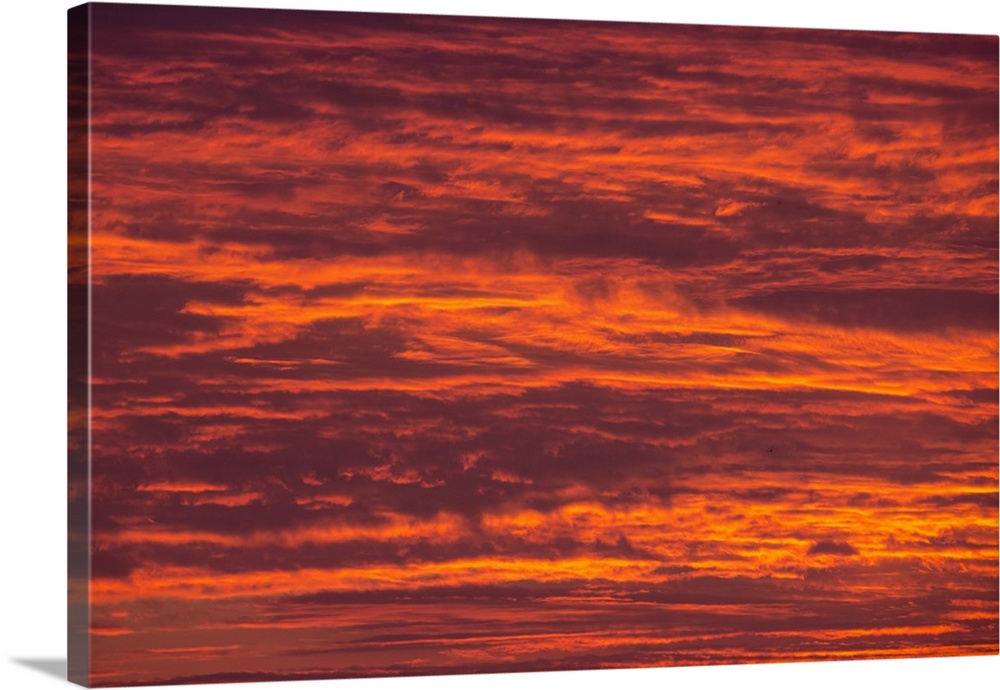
(435, 345)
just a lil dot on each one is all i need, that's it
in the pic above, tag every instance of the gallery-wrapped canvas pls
(408, 345)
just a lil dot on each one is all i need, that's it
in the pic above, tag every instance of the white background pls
(33, 337)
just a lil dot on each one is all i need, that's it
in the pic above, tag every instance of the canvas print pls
(408, 345)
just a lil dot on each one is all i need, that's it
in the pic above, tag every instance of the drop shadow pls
(50, 667)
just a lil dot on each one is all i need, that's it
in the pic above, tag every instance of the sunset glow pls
(446, 345)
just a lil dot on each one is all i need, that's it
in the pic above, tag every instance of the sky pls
(447, 345)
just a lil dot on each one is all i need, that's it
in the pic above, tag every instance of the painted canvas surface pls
(407, 345)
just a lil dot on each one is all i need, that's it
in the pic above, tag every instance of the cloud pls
(916, 309)
(832, 548)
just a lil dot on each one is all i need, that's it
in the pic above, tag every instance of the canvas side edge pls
(78, 345)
